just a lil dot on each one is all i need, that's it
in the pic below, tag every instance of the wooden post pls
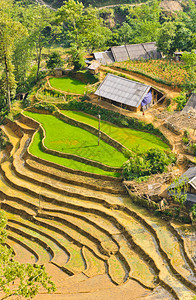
(99, 134)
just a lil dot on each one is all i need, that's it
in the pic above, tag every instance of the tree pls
(125, 33)
(42, 28)
(54, 61)
(179, 190)
(166, 38)
(10, 33)
(27, 278)
(190, 63)
(77, 58)
(144, 21)
(83, 26)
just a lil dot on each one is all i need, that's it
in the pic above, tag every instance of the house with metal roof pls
(189, 177)
(191, 104)
(126, 52)
(136, 52)
(126, 93)
(105, 58)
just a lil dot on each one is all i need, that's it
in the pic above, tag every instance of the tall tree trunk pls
(7, 84)
(39, 53)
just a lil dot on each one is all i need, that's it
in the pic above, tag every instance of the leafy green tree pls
(136, 167)
(77, 58)
(144, 21)
(27, 278)
(42, 29)
(54, 61)
(179, 190)
(158, 160)
(166, 38)
(10, 33)
(125, 33)
(83, 26)
(190, 63)
(181, 100)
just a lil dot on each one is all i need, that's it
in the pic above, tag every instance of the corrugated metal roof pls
(122, 90)
(105, 58)
(135, 52)
(94, 65)
(152, 51)
(191, 103)
(120, 53)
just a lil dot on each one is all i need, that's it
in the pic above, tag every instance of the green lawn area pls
(130, 138)
(66, 138)
(69, 85)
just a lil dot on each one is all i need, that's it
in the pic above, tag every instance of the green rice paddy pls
(66, 138)
(69, 85)
(35, 149)
(130, 138)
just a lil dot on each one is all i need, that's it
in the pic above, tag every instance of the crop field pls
(85, 228)
(66, 138)
(68, 85)
(129, 138)
(166, 71)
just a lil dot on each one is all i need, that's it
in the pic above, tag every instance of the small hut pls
(126, 93)
(58, 72)
(178, 55)
(94, 67)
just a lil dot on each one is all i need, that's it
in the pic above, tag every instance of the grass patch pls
(130, 138)
(66, 138)
(69, 85)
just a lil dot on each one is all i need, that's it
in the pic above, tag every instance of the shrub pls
(181, 101)
(45, 106)
(158, 160)
(136, 167)
(143, 164)
(3, 140)
(193, 210)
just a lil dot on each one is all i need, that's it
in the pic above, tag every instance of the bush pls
(45, 106)
(3, 140)
(158, 160)
(136, 167)
(181, 100)
(143, 164)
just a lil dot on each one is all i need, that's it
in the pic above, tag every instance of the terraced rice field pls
(130, 138)
(92, 239)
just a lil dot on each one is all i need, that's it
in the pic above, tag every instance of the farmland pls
(165, 71)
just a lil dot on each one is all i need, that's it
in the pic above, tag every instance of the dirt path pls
(170, 92)
(121, 4)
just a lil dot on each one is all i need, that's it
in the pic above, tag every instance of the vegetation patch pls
(129, 138)
(69, 85)
(150, 162)
(163, 71)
